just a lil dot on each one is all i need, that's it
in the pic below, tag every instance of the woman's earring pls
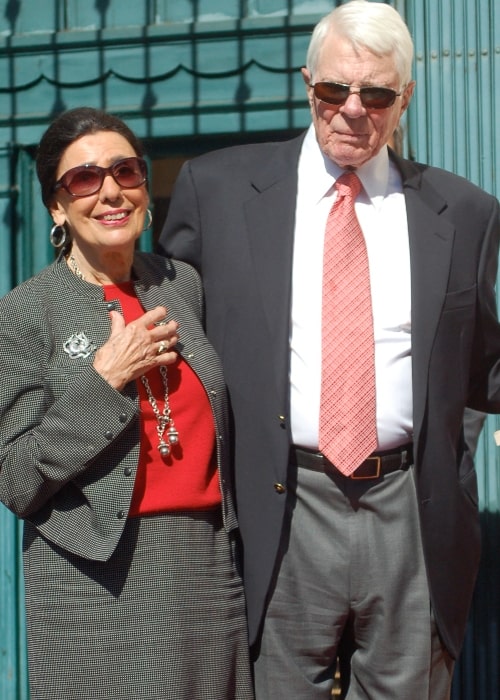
(58, 236)
(149, 218)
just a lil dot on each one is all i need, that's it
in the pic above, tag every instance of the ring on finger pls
(162, 347)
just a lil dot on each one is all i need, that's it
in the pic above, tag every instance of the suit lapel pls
(270, 219)
(431, 243)
(156, 289)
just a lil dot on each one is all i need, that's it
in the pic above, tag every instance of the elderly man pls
(350, 295)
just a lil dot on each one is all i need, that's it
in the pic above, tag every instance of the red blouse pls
(187, 479)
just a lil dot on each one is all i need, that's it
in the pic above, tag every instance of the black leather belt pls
(375, 466)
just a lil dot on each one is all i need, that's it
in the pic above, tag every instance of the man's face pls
(350, 133)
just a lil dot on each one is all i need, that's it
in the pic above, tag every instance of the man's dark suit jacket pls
(232, 216)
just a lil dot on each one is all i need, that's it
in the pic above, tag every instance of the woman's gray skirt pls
(163, 619)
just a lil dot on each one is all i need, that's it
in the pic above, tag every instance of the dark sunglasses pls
(370, 96)
(85, 180)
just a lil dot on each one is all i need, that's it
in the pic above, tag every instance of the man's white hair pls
(375, 26)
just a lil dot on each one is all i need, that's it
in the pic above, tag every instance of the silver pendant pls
(163, 419)
(173, 436)
(164, 449)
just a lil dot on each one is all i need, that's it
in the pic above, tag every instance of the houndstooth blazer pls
(69, 442)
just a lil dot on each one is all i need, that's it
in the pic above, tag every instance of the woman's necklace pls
(75, 268)
(164, 419)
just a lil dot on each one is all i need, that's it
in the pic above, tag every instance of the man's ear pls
(306, 77)
(407, 95)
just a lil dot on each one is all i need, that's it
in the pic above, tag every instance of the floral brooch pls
(78, 345)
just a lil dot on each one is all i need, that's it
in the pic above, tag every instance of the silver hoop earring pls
(58, 236)
(149, 218)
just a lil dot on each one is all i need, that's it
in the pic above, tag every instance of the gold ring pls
(162, 347)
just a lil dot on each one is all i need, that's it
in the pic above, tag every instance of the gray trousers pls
(352, 558)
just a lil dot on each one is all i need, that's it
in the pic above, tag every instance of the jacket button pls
(108, 435)
(122, 417)
(111, 305)
(127, 471)
(120, 515)
(279, 488)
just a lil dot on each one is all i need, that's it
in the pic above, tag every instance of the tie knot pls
(348, 183)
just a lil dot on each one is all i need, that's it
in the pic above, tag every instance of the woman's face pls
(112, 219)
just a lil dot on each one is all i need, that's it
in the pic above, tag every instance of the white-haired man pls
(384, 550)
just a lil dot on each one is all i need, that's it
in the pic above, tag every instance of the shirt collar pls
(374, 174)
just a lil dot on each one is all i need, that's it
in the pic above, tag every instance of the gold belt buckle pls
(377, 467)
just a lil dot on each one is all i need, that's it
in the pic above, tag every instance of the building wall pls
(191, 75)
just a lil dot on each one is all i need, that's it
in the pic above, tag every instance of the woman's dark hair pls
(67, 128)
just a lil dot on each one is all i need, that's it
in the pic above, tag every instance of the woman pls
(113, 446)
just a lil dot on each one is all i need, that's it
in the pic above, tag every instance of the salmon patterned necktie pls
(347, 431)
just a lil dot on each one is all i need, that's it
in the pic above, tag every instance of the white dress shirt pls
(381, 211)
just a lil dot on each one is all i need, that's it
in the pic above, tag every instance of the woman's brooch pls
(78, 345)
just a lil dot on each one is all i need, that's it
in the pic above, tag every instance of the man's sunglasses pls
(371, 97)
(85, 180)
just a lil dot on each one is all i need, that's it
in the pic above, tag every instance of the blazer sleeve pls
(54, 422)
(485, 363)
